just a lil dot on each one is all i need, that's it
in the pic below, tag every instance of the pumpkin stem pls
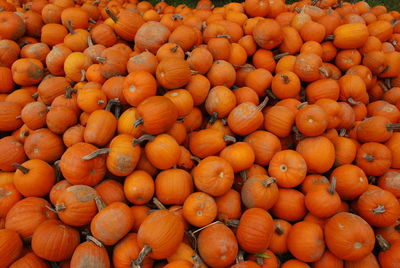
(301, 105)
(18, 117)
(388, 84)
(204, 227)
(60, 207)
(92, 21)
(394, 22)
(70, 28)
(262, 255)
(314, 2)
(193, 72)
(263, 103)
(342, 132)
(24, 134)
(138, 122)
(330, 37)
(240, 257)
(111, 14)
(96, 153)
(324, 71)
(35, 95)
(21, 168)
(94, 240)
(387, 68)
(285, 78)
(83, 75)
(232, 223)
(243, 174)
(158, 204)
(352, 101)
(393, 127)
(112, 102)
(90, 41)
(259, 261)
(268, 182)
(213, 118)
(195, 158)
(99, 203)
(270, 94)
(385, 245)
(174, 49)
(50, 208)
(224, 36)
(59, 175)
(332, 187)
(101, 59)
(145, 137)
(280, 56)
(196, 261)
(379, 210)
(177, 16)
(229, 139)
(397, 227)
(143, 253)
(278, 230)
(369, 157)
(68, 92)
(94, 3)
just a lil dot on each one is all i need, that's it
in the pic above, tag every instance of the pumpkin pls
(290, 205)
(342, 239)
(54, 241)
(90, 254)
(199, 209)
(151, 36)
(76, 205)
(259, 190)
(139, 187)
(11, 245)
(159, 235)
(16, 153)
(374, 158)
(30, 259)
(352, 35)
(173, 186)
(268, 34)
(378, 207)
(43, 144)
(213, 175)
(254, 230)
(288, 167)
(86, 172)
(126, 251)
(309, 233)
(111, 223)
(13, 26)
(217, 250)
(138, 86)
(34, 178)
(279, 236)
(208, 142)
(127, 23)
(157, 114)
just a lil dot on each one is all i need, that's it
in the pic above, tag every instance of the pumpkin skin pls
(157, 114)
(173, 186)
(278, 243)
(76, 205)
(151, 36)
(306, 233)
(254, 230)
(86, 172)
(112, 223)
(43, 144)
(217, 250)
(290, 205)
(326, 155)
(265, 145)
(34, 178)
(13, 27)
(379, 208)
(9, 196)
(58, 246)
(10, 245)
(213, 175)
(162, 231)
(328, 260)
(173, 73)
(288, 167)
(88, 254)
(199, 209)
(15, 153)
(369, 261)
(389, 255)
(30, 260)
(348, 236)
(26, 215)
(352, 35)
(351, 181)
(259, 191)
(127, 250)
(268, 34)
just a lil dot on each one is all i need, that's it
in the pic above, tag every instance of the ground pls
(391, 4)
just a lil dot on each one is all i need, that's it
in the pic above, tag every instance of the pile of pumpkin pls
(257, 134)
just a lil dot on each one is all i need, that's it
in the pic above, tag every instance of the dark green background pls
(391, 4)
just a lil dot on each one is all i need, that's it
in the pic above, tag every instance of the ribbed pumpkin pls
(54, 241)
(173, 73)
(10, 246)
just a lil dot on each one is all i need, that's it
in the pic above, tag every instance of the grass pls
(390, 4)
